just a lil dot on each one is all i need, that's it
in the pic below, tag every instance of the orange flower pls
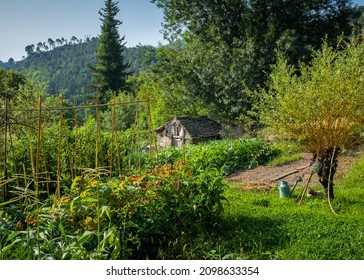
(133, 179)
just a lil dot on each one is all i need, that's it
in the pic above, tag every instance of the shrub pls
(130, 217)
(322, 106)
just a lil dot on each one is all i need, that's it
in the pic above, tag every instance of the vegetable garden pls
(80, 191)
(77, 182)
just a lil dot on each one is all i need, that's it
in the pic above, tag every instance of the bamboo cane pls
(112, 134)
(5, 187)
(97, 130)
(39, 135)
(152, 139)
(76, 154)
(31, 155)
(302, 193)
(45, 168)
(138, 135)
(132, 136)
(58, 191)
(13, 155)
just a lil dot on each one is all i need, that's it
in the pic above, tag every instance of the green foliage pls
(320, 104)
(64, 67)
(78, 147)
(110, 72)
(260, 225)
(158, 83)
(174, 211)
(286, 152)
(20, 94)
(124, 114)
(133, 217)
(10, 82)
(225, 155)
(221, 58)
(190, 78)
(285, 159)
(323, 106)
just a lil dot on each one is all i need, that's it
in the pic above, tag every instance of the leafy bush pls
(226, 155)
(125, 218)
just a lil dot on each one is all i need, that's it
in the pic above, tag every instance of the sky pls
(26, 22)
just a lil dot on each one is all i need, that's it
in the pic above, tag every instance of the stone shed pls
(188, 130)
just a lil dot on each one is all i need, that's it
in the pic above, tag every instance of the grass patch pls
(287, 151)
(260, 225)
(284, 159)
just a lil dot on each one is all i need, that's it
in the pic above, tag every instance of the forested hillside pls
(64, 65)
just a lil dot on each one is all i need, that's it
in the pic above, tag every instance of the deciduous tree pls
(322, 106)
(232, 43)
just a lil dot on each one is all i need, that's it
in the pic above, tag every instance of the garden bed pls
(266, 177)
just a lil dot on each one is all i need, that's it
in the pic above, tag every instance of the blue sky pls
(25, 22)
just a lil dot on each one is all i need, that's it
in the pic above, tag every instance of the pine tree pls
(110, 72)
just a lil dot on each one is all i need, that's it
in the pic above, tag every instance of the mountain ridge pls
(65, 67)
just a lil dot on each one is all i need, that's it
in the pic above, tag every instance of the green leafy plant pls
(226, 155)
(322, 106)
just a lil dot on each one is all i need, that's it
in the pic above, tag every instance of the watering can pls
(284, 190)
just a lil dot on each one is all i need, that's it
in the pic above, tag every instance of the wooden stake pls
(97, 131)
(138, 134)
(31, 155)
(39, 135)
(302, 193)
(45, 168)
(58, 191)
(76, 154)
(112, 134)
(152, 139)
(5, 188)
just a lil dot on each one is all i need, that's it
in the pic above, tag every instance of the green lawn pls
(260, 225)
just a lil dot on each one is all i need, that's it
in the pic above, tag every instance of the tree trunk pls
(327, 160)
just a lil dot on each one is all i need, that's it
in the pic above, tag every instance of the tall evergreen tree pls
(110, 72)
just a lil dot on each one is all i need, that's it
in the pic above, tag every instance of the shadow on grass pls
(250, 237)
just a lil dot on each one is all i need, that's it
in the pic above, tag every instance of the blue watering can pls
(284, 190)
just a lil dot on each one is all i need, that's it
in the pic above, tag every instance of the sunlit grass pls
(260, 225)
(284, 159)
(288, 151)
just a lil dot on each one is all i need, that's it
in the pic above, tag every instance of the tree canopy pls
(230, 44)
(10, 81)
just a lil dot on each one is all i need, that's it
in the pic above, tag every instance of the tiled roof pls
(197, 127)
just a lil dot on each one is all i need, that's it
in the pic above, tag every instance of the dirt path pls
(266, 177)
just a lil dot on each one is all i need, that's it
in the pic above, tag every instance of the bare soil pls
(265, 178)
